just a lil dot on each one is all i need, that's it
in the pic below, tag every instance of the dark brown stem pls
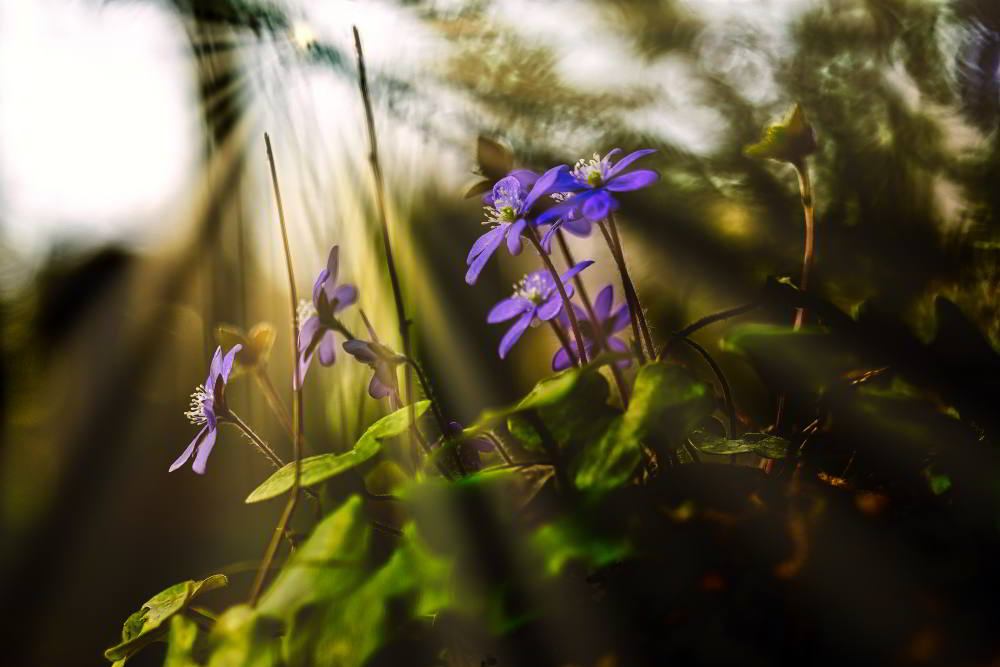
(629, 286)
(727, 392)
(397, 293)
(297, 409)
(567, 305)
(500, 448)
(632, 307)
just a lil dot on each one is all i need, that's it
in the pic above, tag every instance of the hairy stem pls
(500, 448)
(632, 307)
(704, 322)
(629, 286)
(726, 391)
(257, 441)
(574, 324)
(297, 411)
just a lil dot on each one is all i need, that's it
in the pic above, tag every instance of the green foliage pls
(572, 540)
(761, 444)
(148, 624)
(319, 468)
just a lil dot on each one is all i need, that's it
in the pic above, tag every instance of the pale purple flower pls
(595, 181)
(609, 322)
(317, 317)
(508, 208)
(536, 299)
(208, 409)
(382, 360)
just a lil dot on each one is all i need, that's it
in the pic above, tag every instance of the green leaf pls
(181, 643)
(578, 415)
(246, 638)
(329, 563)
(789, 141)
(761, 444)
(607, 462)
(568, 540)
(316, 469)
(667, 402)
(148, 624)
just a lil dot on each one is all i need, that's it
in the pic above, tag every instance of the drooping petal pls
(579, 226)
(328, 349)
(333, 263)
(550, 308)
(477, 265)
(561, 360)
(618, 345)
(633, 180)
(542, 186)
(204, 449)
(627, 160)
(602, 304)
(514, 236)
(318, 285)
(619, 319)
(507, 309)
(361, 350)
(227, 362)
(186, 454)
(575, 269)
(546, 241)
(307, 332)
(306, 352)
(376, 389)
(561, 210)
(344, 296)
(514, 333)
(598, 206)
(480, 243)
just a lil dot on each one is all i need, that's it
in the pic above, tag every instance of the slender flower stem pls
(257, 441)
(397, 293)
(297, 411)
(574, 324)
(632, 308)
(806, 193)
(435, 408)
(595, 324)
(629, 286)
(500, 448)
(273, 400)
(704, 322)
(727, 392)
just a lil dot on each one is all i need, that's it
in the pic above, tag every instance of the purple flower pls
(507, 210)
(609, 322)
(595, 181)
(380, 359)
(208, 409)
(469, 450)
(536, 296)
(318, 317)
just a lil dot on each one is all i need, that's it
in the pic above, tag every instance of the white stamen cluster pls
(592, 171)
(560, 196)
(506, 203)
(535, 287)
(305, 310)
(196, 411)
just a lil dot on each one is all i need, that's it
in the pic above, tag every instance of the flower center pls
(196, 412)
(592, 171)
(535, 287)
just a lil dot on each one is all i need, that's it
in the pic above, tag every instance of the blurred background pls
(136, 214)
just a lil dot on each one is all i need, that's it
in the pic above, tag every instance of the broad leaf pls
(319, 468)
(667, 402)
(149, 623)
(246, 638)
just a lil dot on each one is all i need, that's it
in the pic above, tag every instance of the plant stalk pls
(629, 286)
(574, 324)
(632, 308)
(297, 407)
